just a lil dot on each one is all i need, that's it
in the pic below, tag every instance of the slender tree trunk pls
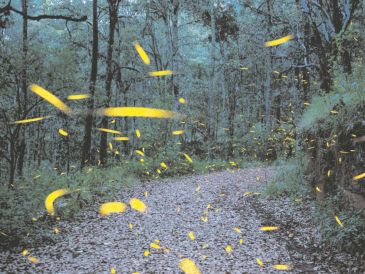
(267, 89)
(175, 47)
(113, 19)
(12, 164)
(212, 80)
(306, 76)
(232, 92)
(86, 150)
(22, 146)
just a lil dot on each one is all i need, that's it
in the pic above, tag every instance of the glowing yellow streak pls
(279, 41)
(281, 267)
(110, 146)
(187, 157)
(138, 205)
(121, 139)
(112, 207)
(52, 197)
(191, 235)
(163, 165)
(189, 267)
(360, 176)
(228, 249)
(182, 100)
(159, 73)
(338, 221)
(25, 252)
(146, 253)
(78, 96)
(109, 130)
(142, 54)
(52, 99)
(259, 262)
(113, 271)
(139, 152)
(177, 132)
(138, 133)
(237, 230)
(269, 228)
(31, 120)
(33, 260)
(137, 112)
(63, 132)
(318, 189)
(155, 246)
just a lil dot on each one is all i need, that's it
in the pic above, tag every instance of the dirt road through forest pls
(219, 208)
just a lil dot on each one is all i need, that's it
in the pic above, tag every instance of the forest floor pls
(178, 206)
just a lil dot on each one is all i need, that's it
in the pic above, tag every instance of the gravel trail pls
(210, 205)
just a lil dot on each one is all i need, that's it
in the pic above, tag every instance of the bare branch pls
(8, 8)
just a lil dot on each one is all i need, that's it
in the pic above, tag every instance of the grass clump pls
(289, 180)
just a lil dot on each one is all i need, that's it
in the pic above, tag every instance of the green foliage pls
(349, 237)
(328, 128)
(289, 180)
(347, 98)
(26, 201)
(261, 145)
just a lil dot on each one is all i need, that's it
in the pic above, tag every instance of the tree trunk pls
(12, 164)
(113, 19)
(212, 80)
(86, 150)
(175, 47)
(267, 91)
(24, 86)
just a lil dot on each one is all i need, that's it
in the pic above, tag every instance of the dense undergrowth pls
(329, 156)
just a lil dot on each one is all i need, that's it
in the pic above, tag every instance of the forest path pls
(176, 207)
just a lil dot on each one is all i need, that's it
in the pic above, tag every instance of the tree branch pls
(6, 10)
